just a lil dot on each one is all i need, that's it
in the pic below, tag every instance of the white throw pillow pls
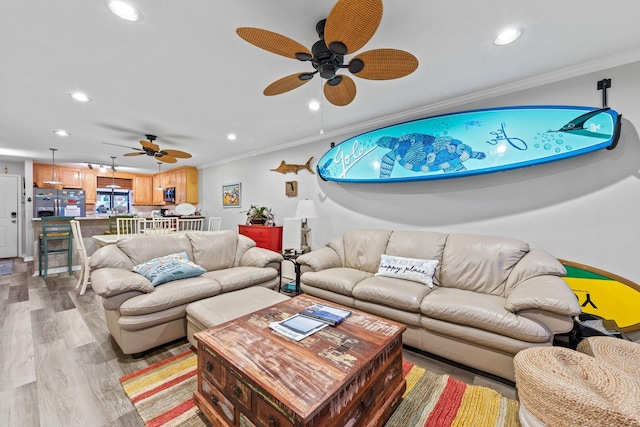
(416, 270)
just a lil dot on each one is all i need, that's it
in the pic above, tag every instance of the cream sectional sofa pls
(491, 297)
(141, 316)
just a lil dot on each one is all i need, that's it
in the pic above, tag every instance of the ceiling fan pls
(349, 26)
(151, 149)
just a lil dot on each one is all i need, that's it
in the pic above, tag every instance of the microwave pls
(170, 194)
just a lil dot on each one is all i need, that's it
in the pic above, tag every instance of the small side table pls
(292, 257)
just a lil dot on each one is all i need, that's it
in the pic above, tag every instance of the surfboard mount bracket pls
(603, 85)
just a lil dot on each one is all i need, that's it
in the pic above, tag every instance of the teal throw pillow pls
(168, 268)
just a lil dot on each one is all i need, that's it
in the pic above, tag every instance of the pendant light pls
(53, 168)
(113, 174)
(159, 187)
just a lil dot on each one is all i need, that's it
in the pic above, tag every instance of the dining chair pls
(214, 223)
(127, 226)
(84, 279)
(190, 224)
(55, 230)
(164, 225)
(113, 223)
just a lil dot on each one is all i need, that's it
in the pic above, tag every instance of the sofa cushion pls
(110, 256)
(479, 263)
(416, 270)
(398, 293)
(480, 311)
(418, 244)
(234, 278)
(168, 268)
(214, 250)
(143, 248)
(107, 282)
(171, 294)
(362, 248)
(338, 280)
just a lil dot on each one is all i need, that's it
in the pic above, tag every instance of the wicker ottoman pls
(620, 353)
(562, 387)
(210, 312)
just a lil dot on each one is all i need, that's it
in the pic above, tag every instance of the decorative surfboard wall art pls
(605, 294)
(471, 143)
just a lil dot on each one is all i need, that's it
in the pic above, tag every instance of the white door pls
(9, 216)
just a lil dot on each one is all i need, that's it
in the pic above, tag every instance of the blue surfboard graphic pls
(471, 143)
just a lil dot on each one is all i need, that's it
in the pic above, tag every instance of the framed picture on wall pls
(291, 188)
(231, 195)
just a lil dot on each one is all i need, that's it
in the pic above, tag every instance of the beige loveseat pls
(491, 297)
(141, 316)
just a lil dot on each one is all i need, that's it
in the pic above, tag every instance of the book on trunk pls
(331, 315)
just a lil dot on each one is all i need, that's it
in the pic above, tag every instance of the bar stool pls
(55, 228)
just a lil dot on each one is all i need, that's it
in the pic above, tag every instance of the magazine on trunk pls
(331, 315)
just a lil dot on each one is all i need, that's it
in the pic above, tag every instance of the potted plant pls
(259, 215)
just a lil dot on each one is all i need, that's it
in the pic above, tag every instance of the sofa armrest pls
(547, 292)
(259, 257)
(320, 259)
(107, 282)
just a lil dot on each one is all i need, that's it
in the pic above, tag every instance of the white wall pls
(585, 209)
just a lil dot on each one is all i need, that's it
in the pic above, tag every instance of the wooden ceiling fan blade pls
(341, 94)
(150, 145)
(125, 146)
(167, 159)
(134, 154)
(351, 24)
(272, 42)
(177, 153)
(285, 84)
(386, 64)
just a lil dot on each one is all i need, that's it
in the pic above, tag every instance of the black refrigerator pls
(62, 202)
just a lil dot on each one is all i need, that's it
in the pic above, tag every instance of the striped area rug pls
(162, 395)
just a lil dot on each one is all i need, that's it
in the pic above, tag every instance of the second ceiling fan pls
(149, 148)
(349, 26)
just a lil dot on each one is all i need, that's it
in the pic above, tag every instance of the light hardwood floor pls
(60, 367)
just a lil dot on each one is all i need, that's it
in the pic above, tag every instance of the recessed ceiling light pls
(61, 132)
(80, 97)
(124, 10)
(314, 106)
(508, 36)
(231, 137)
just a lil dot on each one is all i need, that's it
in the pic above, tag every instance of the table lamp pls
(306, 209)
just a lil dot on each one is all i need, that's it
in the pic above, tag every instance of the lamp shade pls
(306, 209)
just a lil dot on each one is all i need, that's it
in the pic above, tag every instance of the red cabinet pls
(267, 237)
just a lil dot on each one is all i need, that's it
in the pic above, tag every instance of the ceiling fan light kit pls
(349, 26)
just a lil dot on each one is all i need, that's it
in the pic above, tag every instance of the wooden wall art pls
(285, 168)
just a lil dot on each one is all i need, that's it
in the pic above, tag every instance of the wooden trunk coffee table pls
(349, 375)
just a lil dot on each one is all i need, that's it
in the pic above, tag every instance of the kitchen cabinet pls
(186, 184)
(143, 190)
(90, 186)
(267, 237)
(70, 177)
(158, 192)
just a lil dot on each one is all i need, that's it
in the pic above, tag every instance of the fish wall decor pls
(293, 168)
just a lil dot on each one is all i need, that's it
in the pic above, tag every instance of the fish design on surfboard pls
(285, 168)
(605, 294)
(471, 143)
